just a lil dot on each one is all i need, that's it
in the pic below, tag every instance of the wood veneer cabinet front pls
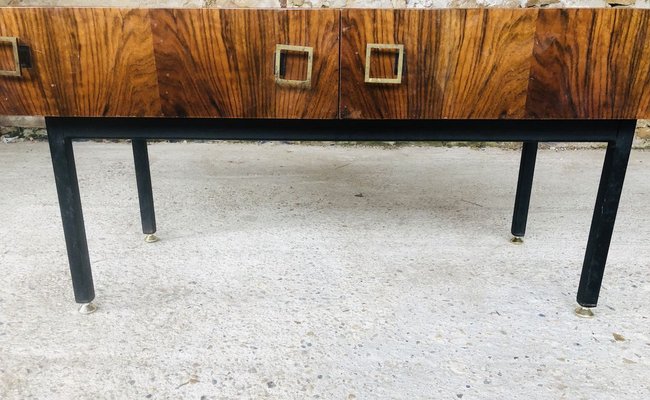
(85, 62)
(220, 63)
(164, 62)
(591, 63)
(456, 63)
(500, 63)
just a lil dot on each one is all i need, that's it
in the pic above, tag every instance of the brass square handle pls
(400, 63)
(283, 48)
(14, 44)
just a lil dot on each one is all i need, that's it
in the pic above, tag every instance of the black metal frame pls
(143, 179)
(524, 188)
(617, 133)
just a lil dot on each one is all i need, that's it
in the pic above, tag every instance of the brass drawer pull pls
(400, 62)
(14, 44)
(279, 70)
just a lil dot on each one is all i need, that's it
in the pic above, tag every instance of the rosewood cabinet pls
(525, 75)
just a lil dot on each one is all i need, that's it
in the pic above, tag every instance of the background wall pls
(8, 125)
(331, 3)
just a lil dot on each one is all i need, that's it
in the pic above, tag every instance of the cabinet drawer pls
(85, 62)
(221, 63)
(457, 63)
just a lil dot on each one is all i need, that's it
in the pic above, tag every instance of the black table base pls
(618, 134)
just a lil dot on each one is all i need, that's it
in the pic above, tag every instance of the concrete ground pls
(332, 272)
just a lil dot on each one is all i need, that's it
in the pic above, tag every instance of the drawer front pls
(457, 63)
(85, 62)
(591, 63)
(221, 63)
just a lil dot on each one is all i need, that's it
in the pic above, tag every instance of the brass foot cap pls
(151, 238)
(87, 308)
(517, 240)
(584, 312)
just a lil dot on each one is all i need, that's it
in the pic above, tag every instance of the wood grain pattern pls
(591, 64)
(473, 63)
(220, 63)
(87, 62)
(33, 94)
(470, 63)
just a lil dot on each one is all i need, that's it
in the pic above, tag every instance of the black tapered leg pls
(67, 187)
(524, 188)
(143, 178)
(602, 223)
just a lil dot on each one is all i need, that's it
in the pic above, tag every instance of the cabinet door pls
(84, 62)
(591, 63)
(222, 62)
(455, 63)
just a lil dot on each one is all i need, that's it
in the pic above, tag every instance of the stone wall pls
(331, 3)
(644, 126)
